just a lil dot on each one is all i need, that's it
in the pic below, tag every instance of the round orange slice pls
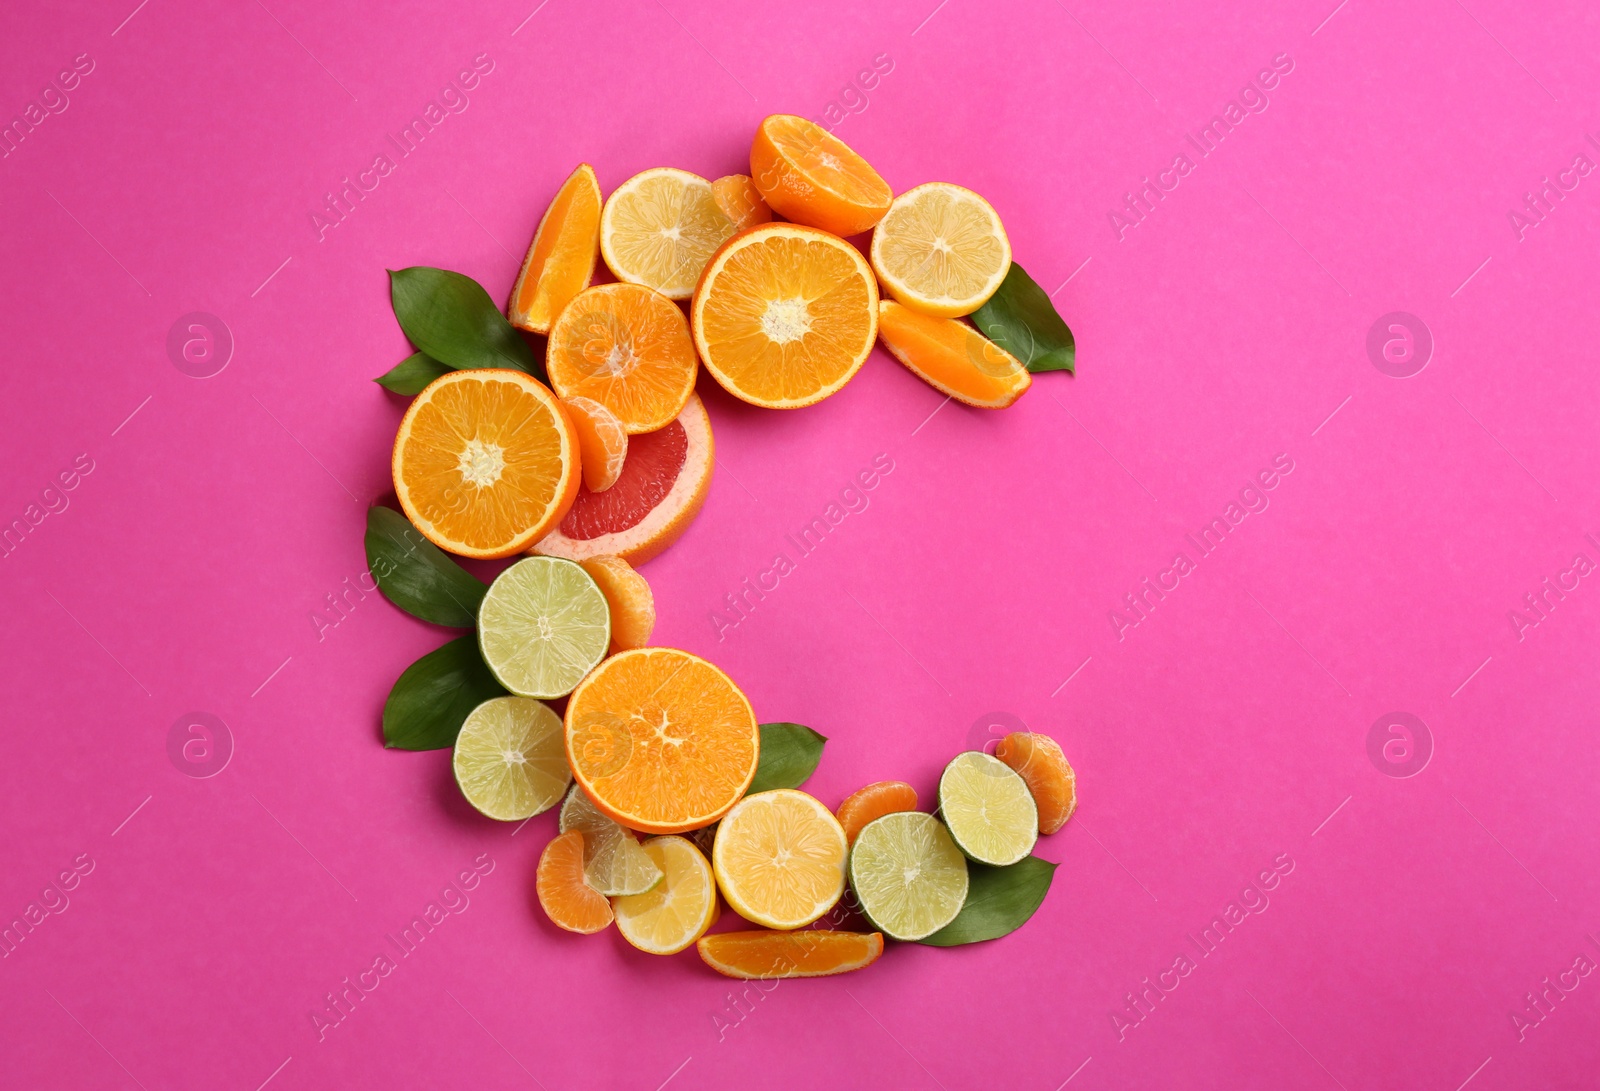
(629, 349)
(561, 257)
(659, 227)
(785, 315)
(567, 899)
(661, 740)
(485, 462)
(874, 801)
(633, 607)
(740, 201)
(952, 357)
(815, 952)
(1043, 767)
(810, 176)
(602, 441)
(664, 482)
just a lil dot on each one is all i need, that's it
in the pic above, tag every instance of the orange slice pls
(633, 607)
(941, 249)
(1039, 761)
(812, 177)
(874, 801)
(602, 441)
(785, 315)
(561, 258)
(658, 229)
(740, 201)
(663, 484)
(952, 357)
(812, 953)
(661, 740)
(780, 858)
(568, 901)
(485, 462)
(629, 349)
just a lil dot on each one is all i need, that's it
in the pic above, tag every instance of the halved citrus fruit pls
(740, 201)
(785, 315)
(633, 607)
(629, 349)
(779, 858)
(485, 462)
(873, 802)
(602, 441)
(769, 955)
(988, 808)
(664, 482)
(510, 758)
(568, 901)
(1039, 761)
(908, 875)
(658, 229)
(672, 915)
(952, 357)
(613, 862)
(542, 626)
(810, 176)
(661, 740)
(941, 250)
(561, 257)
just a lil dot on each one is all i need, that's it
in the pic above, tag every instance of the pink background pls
(1230, 726)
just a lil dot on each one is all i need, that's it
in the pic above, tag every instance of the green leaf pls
(789, 754)
(999, 901)
(412, 374)
(432, 698)
(451, 318)
(1021, 319)
(417, 575)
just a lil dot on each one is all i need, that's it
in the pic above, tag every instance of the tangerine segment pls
(874, 801)
(602, 441)
(941, 249)
(561, 257)
(661, 740)
(658, 229)
(1039, 761)
(779, 858)
(485, 462)
(810, 176)
(629, 349)
(675, 912)
(785, 315)
(952, 357)
(761, 955)
(633, 607)
(568, 901)
(740, 201)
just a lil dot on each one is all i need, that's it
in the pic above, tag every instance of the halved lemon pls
(677, 911)
(659, 228)
(941, 250)
(542, 626)
(990, 812)
(780, 858)
(510, 759)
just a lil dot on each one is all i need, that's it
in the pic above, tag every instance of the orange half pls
(811, 953)
(810, 176)
(952, 357)
(629, 349)
(561, 258)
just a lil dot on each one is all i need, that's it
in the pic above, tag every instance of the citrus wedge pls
(561, 257)
(779, 858)
(542, 626)
(951, 357)
(485, 462)
(785, 315)
(629, 349)
(990, 812)
(1039, 761)
(908, 875)
(613, 862)
(740, 201)
(810, 176)
(633, 607)
(769, 955)
(602, 442)
(510, 758)
(941, 250)
(676, 912)
(873, 802)
(658, 229)
(567, 900)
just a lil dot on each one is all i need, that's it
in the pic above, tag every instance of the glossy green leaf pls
(789, 754)
(1021, 319)
(417, 575)
(451, 318)
(412, 374)
(999, 901)
(431, 700)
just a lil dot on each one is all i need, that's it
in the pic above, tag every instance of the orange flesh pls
(1039, 761)
(808, 175)
(561, 259)
(952, 357)
(740, 201)
(629, 349)
(567, 899)
(602, 441)
(873, 802)
(811, 953)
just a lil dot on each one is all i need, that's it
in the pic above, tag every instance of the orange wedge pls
(659, 227)
(629, 349)
(952, 357)
(633, 607)
(485, 462)
(568, 901)
(1041, 764)
(810, 176)
(740, 201)
(813, 953)
(602, 441)
(561, 258)
(785, 315)
(661, 740)
(874, 801)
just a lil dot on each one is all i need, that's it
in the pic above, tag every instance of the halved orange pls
(661, 740)
(659, 227)
(561, 257)
(951, 356)
(629, 349)
(814, 952)
(633, 607)
(785, 315)
(874, 801)
(485, 462)
(810, 176)
(740, 201)
(664, 482)
(1039, 761)
(568, 900)
(602, 441)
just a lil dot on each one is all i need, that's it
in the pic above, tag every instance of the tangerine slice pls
(661, 740)
(1039, 761)
(952, 357)
(568, 901)
(941, 249)
(874, 801)
(485, 462)
(740, 201)
(629, 349)
(633, 607)
(659, 227)
(675, 912)
(561, 258)
(810, 176)
(780, 858)
(785, 315)
(602, 441)
(761, 955)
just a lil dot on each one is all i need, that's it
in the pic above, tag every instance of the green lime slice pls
(908, 875)
(511, 758)
(543, 625)
(614, 862)
(990, 812)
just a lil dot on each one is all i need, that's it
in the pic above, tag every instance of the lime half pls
(511, 758)
(988, 808)
(908, 875)
(543, 625)
(613, 861)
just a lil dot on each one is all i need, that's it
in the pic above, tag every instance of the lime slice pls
(511, 758)
(908, 875)
(990, 812)
(613, 862)
(543, 625)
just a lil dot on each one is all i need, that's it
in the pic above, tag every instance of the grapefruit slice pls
(814, 952)
(561, 258)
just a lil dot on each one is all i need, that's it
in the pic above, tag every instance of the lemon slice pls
(990, 812)
(670, 917)
(659, 229)
(779, 858)
(908, 875)
(543, 625)
(613, 862)
(511, 758)
(941, 250)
